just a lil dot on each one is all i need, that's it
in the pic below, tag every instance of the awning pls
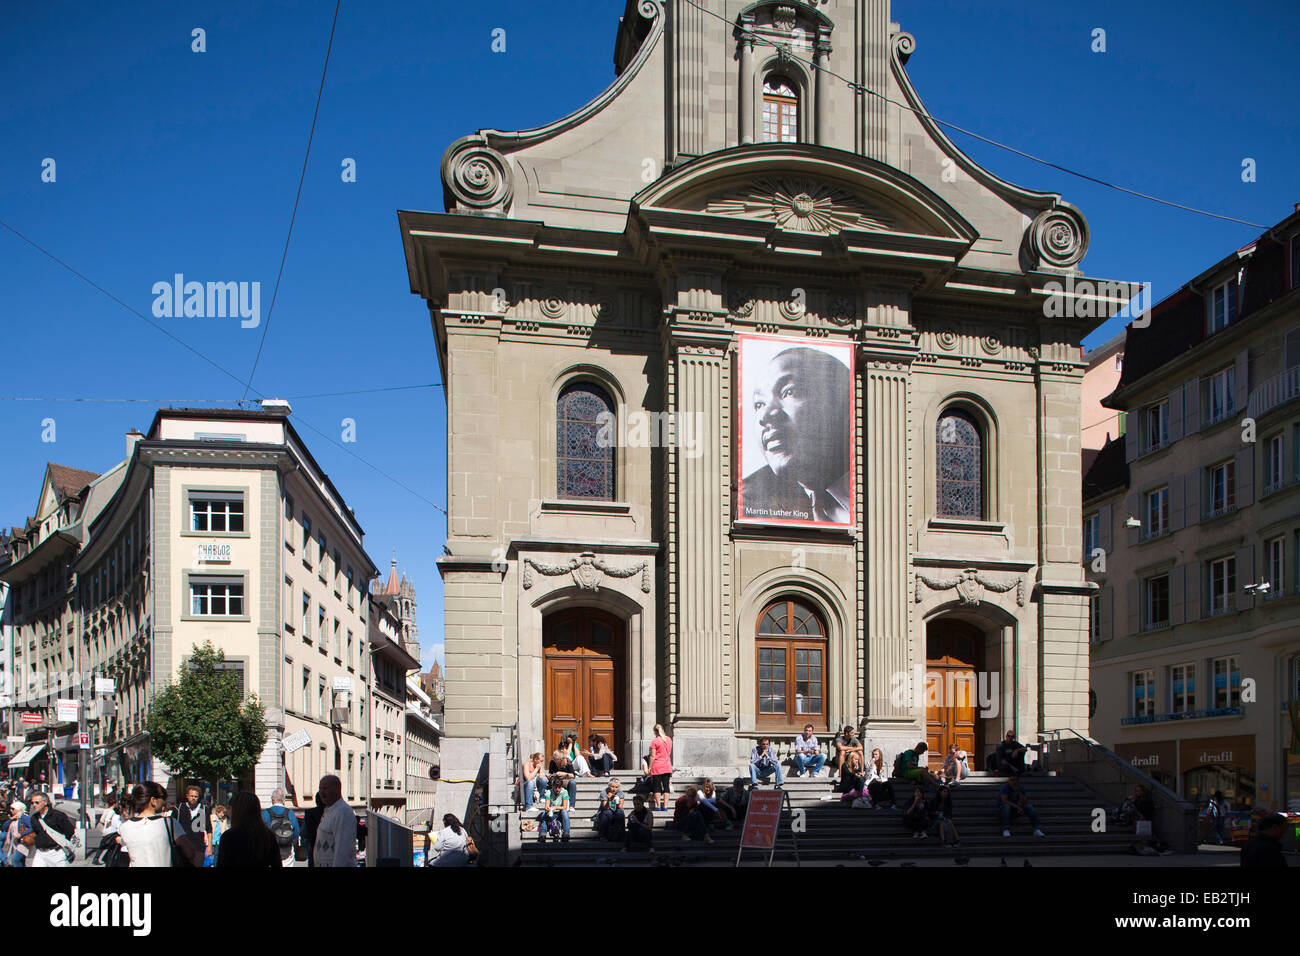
(20, 760)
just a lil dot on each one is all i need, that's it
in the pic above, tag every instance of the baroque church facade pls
(757, 412)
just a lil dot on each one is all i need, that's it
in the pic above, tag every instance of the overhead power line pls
(293, 217)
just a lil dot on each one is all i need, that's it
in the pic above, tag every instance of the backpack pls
(282, 830)
(897, 772)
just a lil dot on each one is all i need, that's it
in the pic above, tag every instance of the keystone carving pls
(587, 570)
(970, 585)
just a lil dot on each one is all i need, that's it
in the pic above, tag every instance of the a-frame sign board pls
(763, 821)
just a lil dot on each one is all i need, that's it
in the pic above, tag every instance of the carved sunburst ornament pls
(799, 207)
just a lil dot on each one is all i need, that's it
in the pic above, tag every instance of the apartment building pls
(1192, 533)
(392, 661)
(423, 763)
(219, 525)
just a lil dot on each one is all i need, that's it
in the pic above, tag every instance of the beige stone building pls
(1196, 516)
(648, 522)
(219, 526)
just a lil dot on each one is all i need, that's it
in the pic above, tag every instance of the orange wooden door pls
(952, 694)
(582, 687)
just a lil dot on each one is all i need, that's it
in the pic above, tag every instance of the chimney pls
(132, 437)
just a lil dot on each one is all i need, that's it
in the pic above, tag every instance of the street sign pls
(105, 685)
(296, 741)
(343, 684)
(83, 740)
(30, 718)
(67, 710)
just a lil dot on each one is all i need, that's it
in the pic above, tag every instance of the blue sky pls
(172, 161)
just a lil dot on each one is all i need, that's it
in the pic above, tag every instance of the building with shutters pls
(763, 402)
(1195, 513)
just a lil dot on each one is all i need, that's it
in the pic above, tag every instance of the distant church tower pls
(399, 595)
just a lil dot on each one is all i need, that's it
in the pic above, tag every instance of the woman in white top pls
(145, 837)
(452, 844)
(879, 789)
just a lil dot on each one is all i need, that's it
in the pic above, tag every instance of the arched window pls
(780, 110)
(584, 446)
(960, 454)
(791, 655)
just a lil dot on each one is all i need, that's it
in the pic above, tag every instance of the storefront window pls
(1237, 784)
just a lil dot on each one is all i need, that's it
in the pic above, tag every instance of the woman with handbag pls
(150, 838)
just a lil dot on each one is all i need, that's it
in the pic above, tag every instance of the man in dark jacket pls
(194, 828)
(310, 824)
(1264, 851)
(48, 849)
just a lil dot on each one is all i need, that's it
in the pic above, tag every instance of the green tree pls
(200, 726)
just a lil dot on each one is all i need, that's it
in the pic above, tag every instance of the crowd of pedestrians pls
(140, 828)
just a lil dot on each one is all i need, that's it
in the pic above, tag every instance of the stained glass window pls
(584, 446)
(961, 466)
(791, 653)
(780, 111)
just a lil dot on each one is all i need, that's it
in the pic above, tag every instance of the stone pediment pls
(799, 205)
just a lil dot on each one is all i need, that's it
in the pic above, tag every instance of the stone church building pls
(759, 409)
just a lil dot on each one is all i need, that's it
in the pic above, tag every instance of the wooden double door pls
(953, 652)
(582, 689)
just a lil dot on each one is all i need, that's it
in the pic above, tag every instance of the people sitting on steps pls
(562, 771)
(808, 757)
(955, 767)
(941, 810)
(907, 766)
(533, 779)
(610, 819)
(554, 818)
(723, 815)
(736, 799)
(853, 778)
(1011, 755)
(598, 755)
(879, 788)
(917, 815)
(640, 827)
(690, 817)
(1013, 802)
(763, 762)
(845, 743)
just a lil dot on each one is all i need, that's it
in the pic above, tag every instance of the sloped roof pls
(1109, 471)
(70, 482)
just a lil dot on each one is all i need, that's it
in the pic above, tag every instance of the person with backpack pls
(283, 824)
(555, 816)
(907, 766)
(1218, 814)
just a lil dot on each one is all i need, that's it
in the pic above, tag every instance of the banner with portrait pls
(795, 427)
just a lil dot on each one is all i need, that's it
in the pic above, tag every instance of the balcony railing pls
(1235, 711)
(1277, 391)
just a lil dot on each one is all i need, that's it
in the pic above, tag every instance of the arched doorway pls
(954, 653)
(583, 676)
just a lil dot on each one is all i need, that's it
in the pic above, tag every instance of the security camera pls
(1263, 587)
(1132, 522)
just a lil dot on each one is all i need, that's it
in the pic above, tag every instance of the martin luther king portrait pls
(796, 435)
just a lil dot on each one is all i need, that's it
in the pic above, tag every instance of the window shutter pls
(1245, 566)
(1245, 491)
(1293, 348)
(1134, 606)
(1192, 592)
(1175, 414)
(1133, 508)
(1105, 516)
(1176, 505)
(1131, 438)
(1192, 498)
(1177, 615)
(1107, 613)
(1192, 406)
(1241, 381)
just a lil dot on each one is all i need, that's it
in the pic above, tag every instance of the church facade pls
(763, 406)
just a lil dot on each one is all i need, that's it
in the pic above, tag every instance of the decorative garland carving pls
(587, 571)
(970, 585)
